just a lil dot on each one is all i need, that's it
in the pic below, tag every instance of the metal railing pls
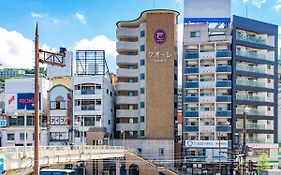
(252, 39)
(255, 69)
(251, 55)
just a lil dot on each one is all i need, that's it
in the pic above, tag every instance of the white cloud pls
(180, 45)
(99, 42)
(245, 1)
(37, 15)
(277, 5)
(258, 3)
(80, 17)
(180, 2)
(16, 50)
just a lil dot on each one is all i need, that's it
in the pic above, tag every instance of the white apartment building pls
(19, 94)
(93, 108)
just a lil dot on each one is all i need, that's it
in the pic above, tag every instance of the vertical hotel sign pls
(68, 108)
(160, 54)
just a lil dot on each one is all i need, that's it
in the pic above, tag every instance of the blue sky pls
(89, 24)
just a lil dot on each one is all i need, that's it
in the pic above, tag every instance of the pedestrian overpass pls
(15, 159)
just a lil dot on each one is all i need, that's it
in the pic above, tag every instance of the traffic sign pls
(2, 164)
(3, 123)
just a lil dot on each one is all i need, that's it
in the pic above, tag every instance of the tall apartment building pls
(229, 66)
(147, 87)
(93, 99)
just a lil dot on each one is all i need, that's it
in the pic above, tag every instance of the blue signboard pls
(27, 99)
(2, 164)
(3, 123)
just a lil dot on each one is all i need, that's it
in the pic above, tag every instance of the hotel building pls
(146, 101)
(229, 72)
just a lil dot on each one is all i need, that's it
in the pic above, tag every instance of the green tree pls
(263, 163)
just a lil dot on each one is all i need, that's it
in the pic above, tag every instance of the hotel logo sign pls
(160, 36)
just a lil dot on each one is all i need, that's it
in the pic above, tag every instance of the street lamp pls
(245, 112)
(225, 124)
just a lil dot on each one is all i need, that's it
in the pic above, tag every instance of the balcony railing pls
(191, 70)
(193, 84)
(251, 112)
(223, 98)
(251, 55)
(226, 113)
(224, 68)
(252, 39)
(223, 53)
(191, 114)
(251, 126)
(251, 83)
(250, 98)
(87, 91)
(87, 107)
(224, 83)
(250, 68)
(191, 129)
(192, 55)
(192, 99)
(255, 140)
(223, 128)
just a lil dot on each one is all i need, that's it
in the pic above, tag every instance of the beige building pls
(147, 87)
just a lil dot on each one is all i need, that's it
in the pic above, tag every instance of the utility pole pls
(244, 139)
(48, 58)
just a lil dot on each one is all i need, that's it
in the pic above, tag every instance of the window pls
(142, 48)
(10, 137)
(107, 91)
(131, 80)
(142, 33)
(131, 133)
(22, 136)
(142, 90)
(142, 133)
(139, 150)
(141, 119)
(131, 120)
(131, 107)
(131, 67)
(142, 76)
(110, 93)
(268, 67)
(161, 151)
(108, 122)
(141, 104)
(131, 93)
(142, 62)
(195, 34)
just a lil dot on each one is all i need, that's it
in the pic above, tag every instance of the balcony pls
(191, 128)
(224, 113)
(191, 114)
(255, 140)
(223, 128)
(192, 70)
(251, 55)
(207, 54)
(223, 98)
(127, 113)
(251, 112)
(207, 69)
(121, 72)
(224, 68)
(127, 46)
(223, 53)
(87, 91)
(207, 114)
(192, 55)
(207, 84)
(255, 69)
(127, 100)
(127, 126)
(127, 59)
(194, 99)
(251, 83)
(127, 32)
(127, 86)
(252, 39)
(223, 83)
(207, 128)
(192, 84)
(250, 97)
(251, 126)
